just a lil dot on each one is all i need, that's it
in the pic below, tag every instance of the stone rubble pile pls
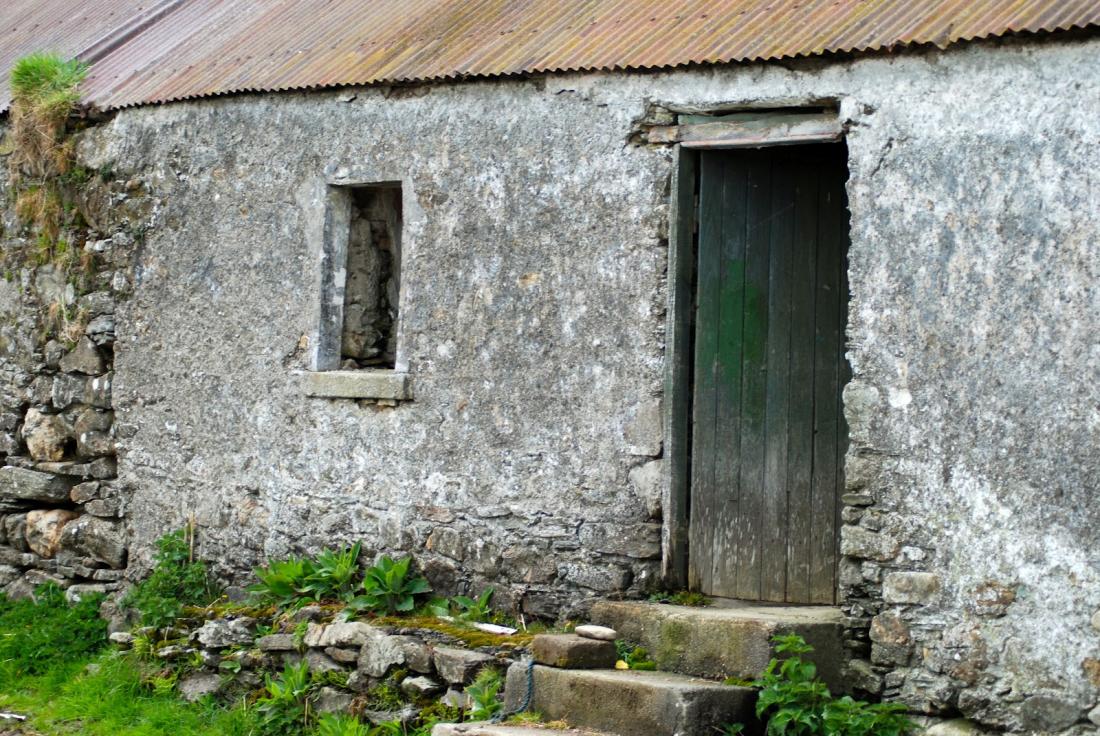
(424, 664)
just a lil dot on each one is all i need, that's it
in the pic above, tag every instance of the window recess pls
(356, 348)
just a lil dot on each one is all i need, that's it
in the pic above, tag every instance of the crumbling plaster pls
(532, 313)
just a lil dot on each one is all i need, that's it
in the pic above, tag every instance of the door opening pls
(766, 426)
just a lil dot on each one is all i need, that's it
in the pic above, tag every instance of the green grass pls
(48, 82)
(53, 668)
(106, 695)
(37, 635)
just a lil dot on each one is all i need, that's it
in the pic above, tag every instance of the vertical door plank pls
(728, 383)
(703, 520)
(800, 415)
(773, 563)
(754, 374)
(826, 380)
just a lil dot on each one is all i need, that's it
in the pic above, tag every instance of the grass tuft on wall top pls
(45, 89)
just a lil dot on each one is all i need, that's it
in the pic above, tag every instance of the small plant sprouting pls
(334, 575)
(474, 609)
(281, 582)
(177, 580)
(682, 598)
(791, 696)
(285, 706)
(484, 694)
(796, 703)
(332, 724)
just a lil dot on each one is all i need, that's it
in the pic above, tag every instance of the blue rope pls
(528, 696)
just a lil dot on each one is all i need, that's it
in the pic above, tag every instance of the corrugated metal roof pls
(147, 52)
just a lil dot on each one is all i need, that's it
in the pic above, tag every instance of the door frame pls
(692, 134)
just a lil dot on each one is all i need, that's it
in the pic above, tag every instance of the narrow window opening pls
(373, 278)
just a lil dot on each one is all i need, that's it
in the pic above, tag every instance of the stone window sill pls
(383, 385)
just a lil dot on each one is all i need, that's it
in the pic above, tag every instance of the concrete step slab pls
(491, 729)
(731, 640)
(632, 702)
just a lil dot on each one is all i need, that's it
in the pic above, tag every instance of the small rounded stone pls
(600, 633)
(1096, 620)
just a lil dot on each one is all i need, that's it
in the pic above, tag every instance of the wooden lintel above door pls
(752, 131)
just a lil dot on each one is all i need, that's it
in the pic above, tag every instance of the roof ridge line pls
(127, 31)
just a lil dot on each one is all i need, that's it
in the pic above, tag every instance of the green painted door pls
(768, 431)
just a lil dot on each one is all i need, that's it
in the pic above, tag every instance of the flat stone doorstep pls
(364, 384)
(489, 729)
(729, 639)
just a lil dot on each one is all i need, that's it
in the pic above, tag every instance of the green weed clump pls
(47, 83)
(682, 598)
(44, 632)
(177, 581)
(388, 587)
(795, 702)
(44, 91)
(331, 576)
(484, 694)
(632, 657)
(332, 724)
(474, 609)
(286, 706)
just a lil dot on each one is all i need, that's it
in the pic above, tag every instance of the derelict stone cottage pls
(783, 303)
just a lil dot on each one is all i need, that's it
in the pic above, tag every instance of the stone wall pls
(61, 503)
(532, 314)
(530, 322)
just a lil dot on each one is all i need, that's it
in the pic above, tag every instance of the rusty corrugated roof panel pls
(176, 49)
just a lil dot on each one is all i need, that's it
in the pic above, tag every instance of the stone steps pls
(729, 639)
(490, 729)
(631, 702)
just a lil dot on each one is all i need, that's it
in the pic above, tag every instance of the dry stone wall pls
(61, 503)
(227, 657)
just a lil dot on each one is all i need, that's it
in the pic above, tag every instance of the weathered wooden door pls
(768, 432)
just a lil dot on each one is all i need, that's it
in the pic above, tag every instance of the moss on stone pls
(468, 635)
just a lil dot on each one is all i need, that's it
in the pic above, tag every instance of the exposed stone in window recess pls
(369, 338)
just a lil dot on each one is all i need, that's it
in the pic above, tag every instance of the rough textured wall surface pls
(530, 320)
(532, 324)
